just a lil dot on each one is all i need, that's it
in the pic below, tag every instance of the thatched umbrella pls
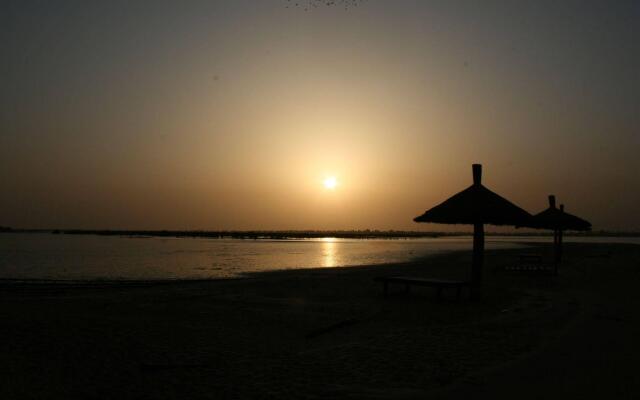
(476, 206)
(557, 220)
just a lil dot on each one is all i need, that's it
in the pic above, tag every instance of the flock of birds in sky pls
(308, 4)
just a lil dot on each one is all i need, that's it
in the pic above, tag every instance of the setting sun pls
(330, 182)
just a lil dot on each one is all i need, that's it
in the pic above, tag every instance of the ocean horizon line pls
(302, 233)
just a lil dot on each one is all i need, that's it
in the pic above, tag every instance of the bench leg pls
(407, 288)
(439, 293)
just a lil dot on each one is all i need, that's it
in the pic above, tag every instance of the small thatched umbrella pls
(558, 221)
(476, 206)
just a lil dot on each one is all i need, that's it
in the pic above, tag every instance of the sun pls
(330, 182)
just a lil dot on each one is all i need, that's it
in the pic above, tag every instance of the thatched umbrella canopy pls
(476, 206)
(557, 220)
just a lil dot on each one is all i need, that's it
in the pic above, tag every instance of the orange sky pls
(230, 114)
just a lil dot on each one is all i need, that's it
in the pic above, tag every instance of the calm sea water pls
(86, 257)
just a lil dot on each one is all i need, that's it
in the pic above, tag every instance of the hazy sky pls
(230, 114)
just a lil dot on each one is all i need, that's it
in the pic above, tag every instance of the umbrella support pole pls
(478, 259)
(555, 252)
(560, 246)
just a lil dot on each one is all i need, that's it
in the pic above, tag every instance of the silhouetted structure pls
(558, 221)
(476, 206)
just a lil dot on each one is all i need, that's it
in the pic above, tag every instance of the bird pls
(327, 3)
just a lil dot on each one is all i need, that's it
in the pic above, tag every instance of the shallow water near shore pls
(88, 257)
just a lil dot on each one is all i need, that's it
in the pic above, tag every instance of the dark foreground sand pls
(331, 334)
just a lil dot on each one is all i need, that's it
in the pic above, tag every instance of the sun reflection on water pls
(329, 252)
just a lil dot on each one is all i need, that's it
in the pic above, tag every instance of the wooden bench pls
(409, 281)
(536, 258)
(530, 263)
(531, 269)
(605, 254)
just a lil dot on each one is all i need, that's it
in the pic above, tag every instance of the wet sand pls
(330, 333)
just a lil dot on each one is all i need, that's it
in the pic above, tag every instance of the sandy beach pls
(330, 333)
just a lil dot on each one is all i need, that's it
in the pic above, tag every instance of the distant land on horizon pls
(302, 234)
